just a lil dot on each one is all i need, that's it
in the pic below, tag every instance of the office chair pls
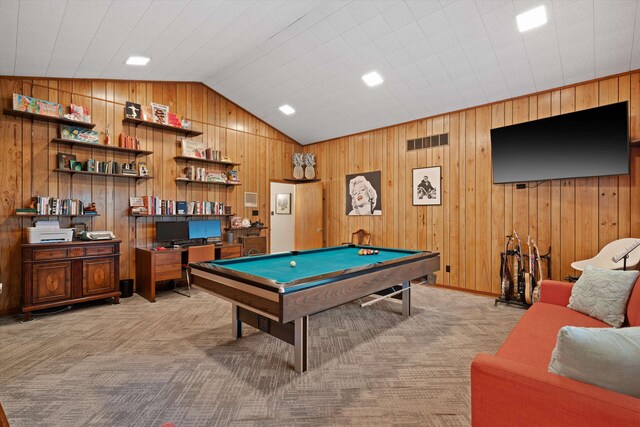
(195, 254)
(360, 237)
(617, 248)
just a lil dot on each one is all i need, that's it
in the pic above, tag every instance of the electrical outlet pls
(447, 269)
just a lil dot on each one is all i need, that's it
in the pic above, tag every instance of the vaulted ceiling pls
(435, 56)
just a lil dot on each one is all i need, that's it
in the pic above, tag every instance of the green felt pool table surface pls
(310, 264)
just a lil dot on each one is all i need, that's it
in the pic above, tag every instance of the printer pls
(48, 232)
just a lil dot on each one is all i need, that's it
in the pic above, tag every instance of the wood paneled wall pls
(576, 217)
(27, 160)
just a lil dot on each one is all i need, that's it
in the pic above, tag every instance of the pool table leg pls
(406, 299)
(236, 324)
(300, 327)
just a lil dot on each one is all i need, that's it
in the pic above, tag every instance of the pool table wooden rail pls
(227, 269)
(315, 299)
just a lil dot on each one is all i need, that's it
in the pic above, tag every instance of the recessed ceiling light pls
(531, 19)
(137, 60)
(372, 79)
(287, 109)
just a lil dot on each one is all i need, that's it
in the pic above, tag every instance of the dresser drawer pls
(100, 250)
(44, 254)
(234, 251)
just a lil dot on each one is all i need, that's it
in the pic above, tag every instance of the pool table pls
(270, 294)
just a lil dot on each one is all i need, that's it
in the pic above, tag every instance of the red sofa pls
(514, 387)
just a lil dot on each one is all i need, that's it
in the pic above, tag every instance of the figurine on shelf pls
(298, 162)
(310, 162)
(107, 134)
(232, 176)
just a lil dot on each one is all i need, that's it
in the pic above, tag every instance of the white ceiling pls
(435, 56)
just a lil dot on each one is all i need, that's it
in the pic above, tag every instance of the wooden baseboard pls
(471, 291)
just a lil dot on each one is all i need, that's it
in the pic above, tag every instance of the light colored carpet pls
(142, 364)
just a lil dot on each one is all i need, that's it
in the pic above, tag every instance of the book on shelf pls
(46, 205)
(151, 205)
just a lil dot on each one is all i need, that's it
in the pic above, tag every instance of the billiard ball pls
(292, 263)
(361, 252)
(369, 251)
(376, 252)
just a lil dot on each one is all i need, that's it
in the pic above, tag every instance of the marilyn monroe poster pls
(363, 194)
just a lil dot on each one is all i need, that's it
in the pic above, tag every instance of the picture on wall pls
(283, 204)
(427, 190)
(363, 194)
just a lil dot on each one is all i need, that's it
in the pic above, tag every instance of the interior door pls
(308, 216)
(282, 227)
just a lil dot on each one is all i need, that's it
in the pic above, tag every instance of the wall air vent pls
(250, 200)
(428, 142)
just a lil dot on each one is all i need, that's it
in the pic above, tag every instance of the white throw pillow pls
(603, 294)
(604, 357)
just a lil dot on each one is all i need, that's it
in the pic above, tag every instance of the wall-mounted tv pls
(593, 142)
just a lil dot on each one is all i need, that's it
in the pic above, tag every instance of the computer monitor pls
(171, 231)
(204, 229)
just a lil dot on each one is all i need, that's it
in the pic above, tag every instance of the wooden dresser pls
(56, 274)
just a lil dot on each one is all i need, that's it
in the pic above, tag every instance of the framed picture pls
(283, 204)
(363, 194)
(427, 188)
(65, 159)
(133, 110)
(159, 113)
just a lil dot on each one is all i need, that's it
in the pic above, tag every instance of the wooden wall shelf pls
(244, 228)
(138, 122)
(189, 181)
(73, 172)
(32, 215)
(40, 117)
(301, 180)
(215, 162)
(72, 144)
(181, 215)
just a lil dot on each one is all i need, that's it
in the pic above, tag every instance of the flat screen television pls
(171, 231)
(593, 142)
(204, 229)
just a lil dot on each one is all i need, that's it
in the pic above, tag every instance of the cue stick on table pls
(373, 301)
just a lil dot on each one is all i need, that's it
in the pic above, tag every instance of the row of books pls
(151, 205)
(202, 174)
(45, 205)
(116, 168)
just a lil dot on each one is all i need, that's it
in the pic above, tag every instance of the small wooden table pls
(154, 266)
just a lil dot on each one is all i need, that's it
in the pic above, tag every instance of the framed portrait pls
(283, 204)
(363, 193)
(427, 186)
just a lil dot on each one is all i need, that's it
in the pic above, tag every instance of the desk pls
(270, 295)
(154, 266)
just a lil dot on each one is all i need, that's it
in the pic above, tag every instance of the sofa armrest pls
(508, 393)
(555, 292)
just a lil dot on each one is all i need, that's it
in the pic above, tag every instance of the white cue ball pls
(292, 263)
